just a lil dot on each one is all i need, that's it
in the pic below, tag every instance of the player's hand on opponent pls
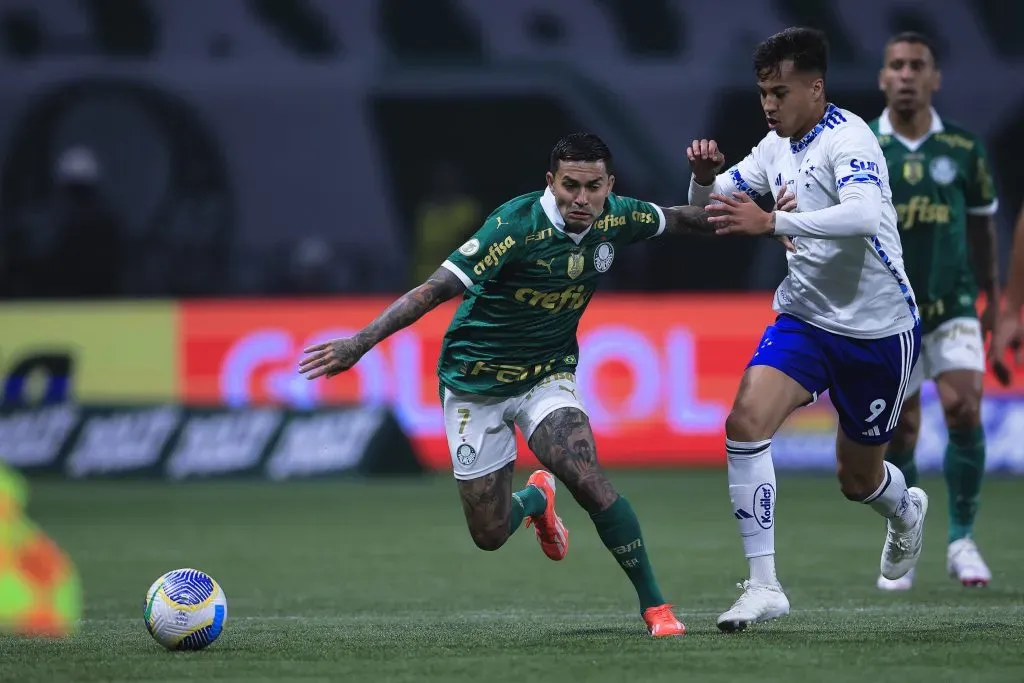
(738, 215)
(331, 357)
(705, 160)
(785, 201)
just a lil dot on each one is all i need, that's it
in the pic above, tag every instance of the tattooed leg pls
(487, 502)
(564, 443)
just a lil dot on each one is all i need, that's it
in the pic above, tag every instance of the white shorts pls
(481, 429)
(956, 344)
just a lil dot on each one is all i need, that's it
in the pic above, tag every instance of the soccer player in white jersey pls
(847, 321)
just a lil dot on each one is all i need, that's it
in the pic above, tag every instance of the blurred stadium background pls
(259, 173)
(190, 192)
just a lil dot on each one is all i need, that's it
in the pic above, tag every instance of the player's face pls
(580, 189)
(908, 77)
(792, 101)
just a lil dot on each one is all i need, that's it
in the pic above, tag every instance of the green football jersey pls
(528, 284)
(935, 184)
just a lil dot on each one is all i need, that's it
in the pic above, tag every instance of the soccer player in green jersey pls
(509, 356)
(945, 200)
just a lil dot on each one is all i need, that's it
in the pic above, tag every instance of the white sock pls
(892, 501)
(752, 491)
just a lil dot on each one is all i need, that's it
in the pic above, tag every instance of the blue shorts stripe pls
(906, 367)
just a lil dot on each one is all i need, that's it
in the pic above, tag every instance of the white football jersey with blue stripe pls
(847, 274)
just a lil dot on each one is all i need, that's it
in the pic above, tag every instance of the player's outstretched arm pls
(856, 160)
(1015, 281)
(682, 220)
(336, 356)
(981, 235)
(1009, 333)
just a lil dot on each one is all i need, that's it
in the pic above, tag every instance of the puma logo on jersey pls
(544, 264)
(498, 218)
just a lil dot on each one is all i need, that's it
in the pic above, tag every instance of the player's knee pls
(963, 411)
(744, 423)
(489, 538)
(857, 484)
(857, 480)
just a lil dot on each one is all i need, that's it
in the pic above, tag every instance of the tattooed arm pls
(336, 356)
(681, 220)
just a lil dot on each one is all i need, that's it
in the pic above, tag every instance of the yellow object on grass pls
(40, 591)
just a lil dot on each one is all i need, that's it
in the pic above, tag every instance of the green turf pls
(362, 582)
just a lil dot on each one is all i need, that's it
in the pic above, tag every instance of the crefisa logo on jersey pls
(465, 454)
(603, 257)
(764, 505)
(942, 170)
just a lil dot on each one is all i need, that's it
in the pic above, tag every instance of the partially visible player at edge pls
(1009, 332)
(510, 354)
(847, 321)
(945, 199)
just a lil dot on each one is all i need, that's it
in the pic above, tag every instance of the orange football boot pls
(661, 622)
(551, 532)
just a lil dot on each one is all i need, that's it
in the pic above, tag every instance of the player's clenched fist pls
(330, 358)
(705, 160)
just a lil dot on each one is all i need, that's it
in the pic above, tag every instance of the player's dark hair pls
(807, 47)
(915, 38)
(580, 147)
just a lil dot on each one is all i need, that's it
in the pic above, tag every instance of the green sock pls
(619, 530)
(905, 461)
(964, 467)
(529, 501)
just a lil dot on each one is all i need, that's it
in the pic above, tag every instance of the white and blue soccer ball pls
(185, 610)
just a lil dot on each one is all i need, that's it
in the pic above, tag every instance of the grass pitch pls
(379, 581)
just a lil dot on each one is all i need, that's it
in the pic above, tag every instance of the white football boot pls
(904, 583)
(759, 602)
(903, 548)
(964, 563)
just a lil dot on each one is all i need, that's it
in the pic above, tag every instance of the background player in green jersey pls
(945, 200)
(509, 355)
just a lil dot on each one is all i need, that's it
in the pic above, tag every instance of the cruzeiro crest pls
(603, 257)
(575, 265)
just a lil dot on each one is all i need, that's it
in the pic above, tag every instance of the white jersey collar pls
(547, 202)
(885, 128)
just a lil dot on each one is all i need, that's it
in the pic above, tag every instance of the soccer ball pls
(185, 610)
